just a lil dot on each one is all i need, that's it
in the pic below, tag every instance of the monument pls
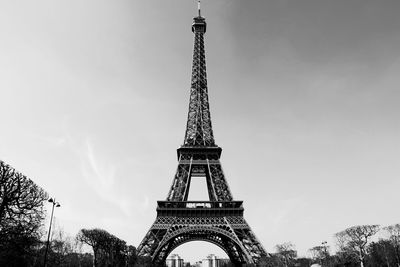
(218, 220)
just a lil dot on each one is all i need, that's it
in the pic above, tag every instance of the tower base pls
(220, 223)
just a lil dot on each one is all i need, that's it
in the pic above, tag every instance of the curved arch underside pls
(218, 237)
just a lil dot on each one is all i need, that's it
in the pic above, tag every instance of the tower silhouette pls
(220, 219)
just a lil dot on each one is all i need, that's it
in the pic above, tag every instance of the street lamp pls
(52, 201)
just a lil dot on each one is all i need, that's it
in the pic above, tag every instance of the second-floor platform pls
(200, 208)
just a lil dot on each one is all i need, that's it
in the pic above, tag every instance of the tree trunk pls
(95, 251)
(361, 257)
(397, 256)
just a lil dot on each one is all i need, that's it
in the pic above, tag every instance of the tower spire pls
(198, 7)
(198, 129)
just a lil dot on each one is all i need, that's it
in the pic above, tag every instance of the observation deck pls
(200, 208)
(199, 150)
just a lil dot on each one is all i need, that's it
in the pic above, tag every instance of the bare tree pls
(394, 237)
(61, 247)
(319, 253)
(107, 248)
(21, 213)
(355, 239)
(94, 238)
(287, 252)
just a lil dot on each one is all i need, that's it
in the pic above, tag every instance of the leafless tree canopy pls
(356, 238)
(287, 252)
(319, 252)
(21, 200)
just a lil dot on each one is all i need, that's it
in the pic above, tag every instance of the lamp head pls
(51, 200)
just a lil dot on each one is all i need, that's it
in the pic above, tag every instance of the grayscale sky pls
(304, 98)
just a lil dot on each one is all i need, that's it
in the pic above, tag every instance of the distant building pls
(174, 261)
(211, 261)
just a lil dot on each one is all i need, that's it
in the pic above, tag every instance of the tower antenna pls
(198, 7)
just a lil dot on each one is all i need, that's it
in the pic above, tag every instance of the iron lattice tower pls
(220, 219)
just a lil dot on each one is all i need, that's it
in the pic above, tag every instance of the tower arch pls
(216, 235)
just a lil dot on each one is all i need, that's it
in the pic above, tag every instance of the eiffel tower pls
(220, 219)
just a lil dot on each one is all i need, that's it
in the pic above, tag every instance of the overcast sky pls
(304, 99)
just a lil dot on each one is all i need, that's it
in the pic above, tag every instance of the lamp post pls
(54, 203)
